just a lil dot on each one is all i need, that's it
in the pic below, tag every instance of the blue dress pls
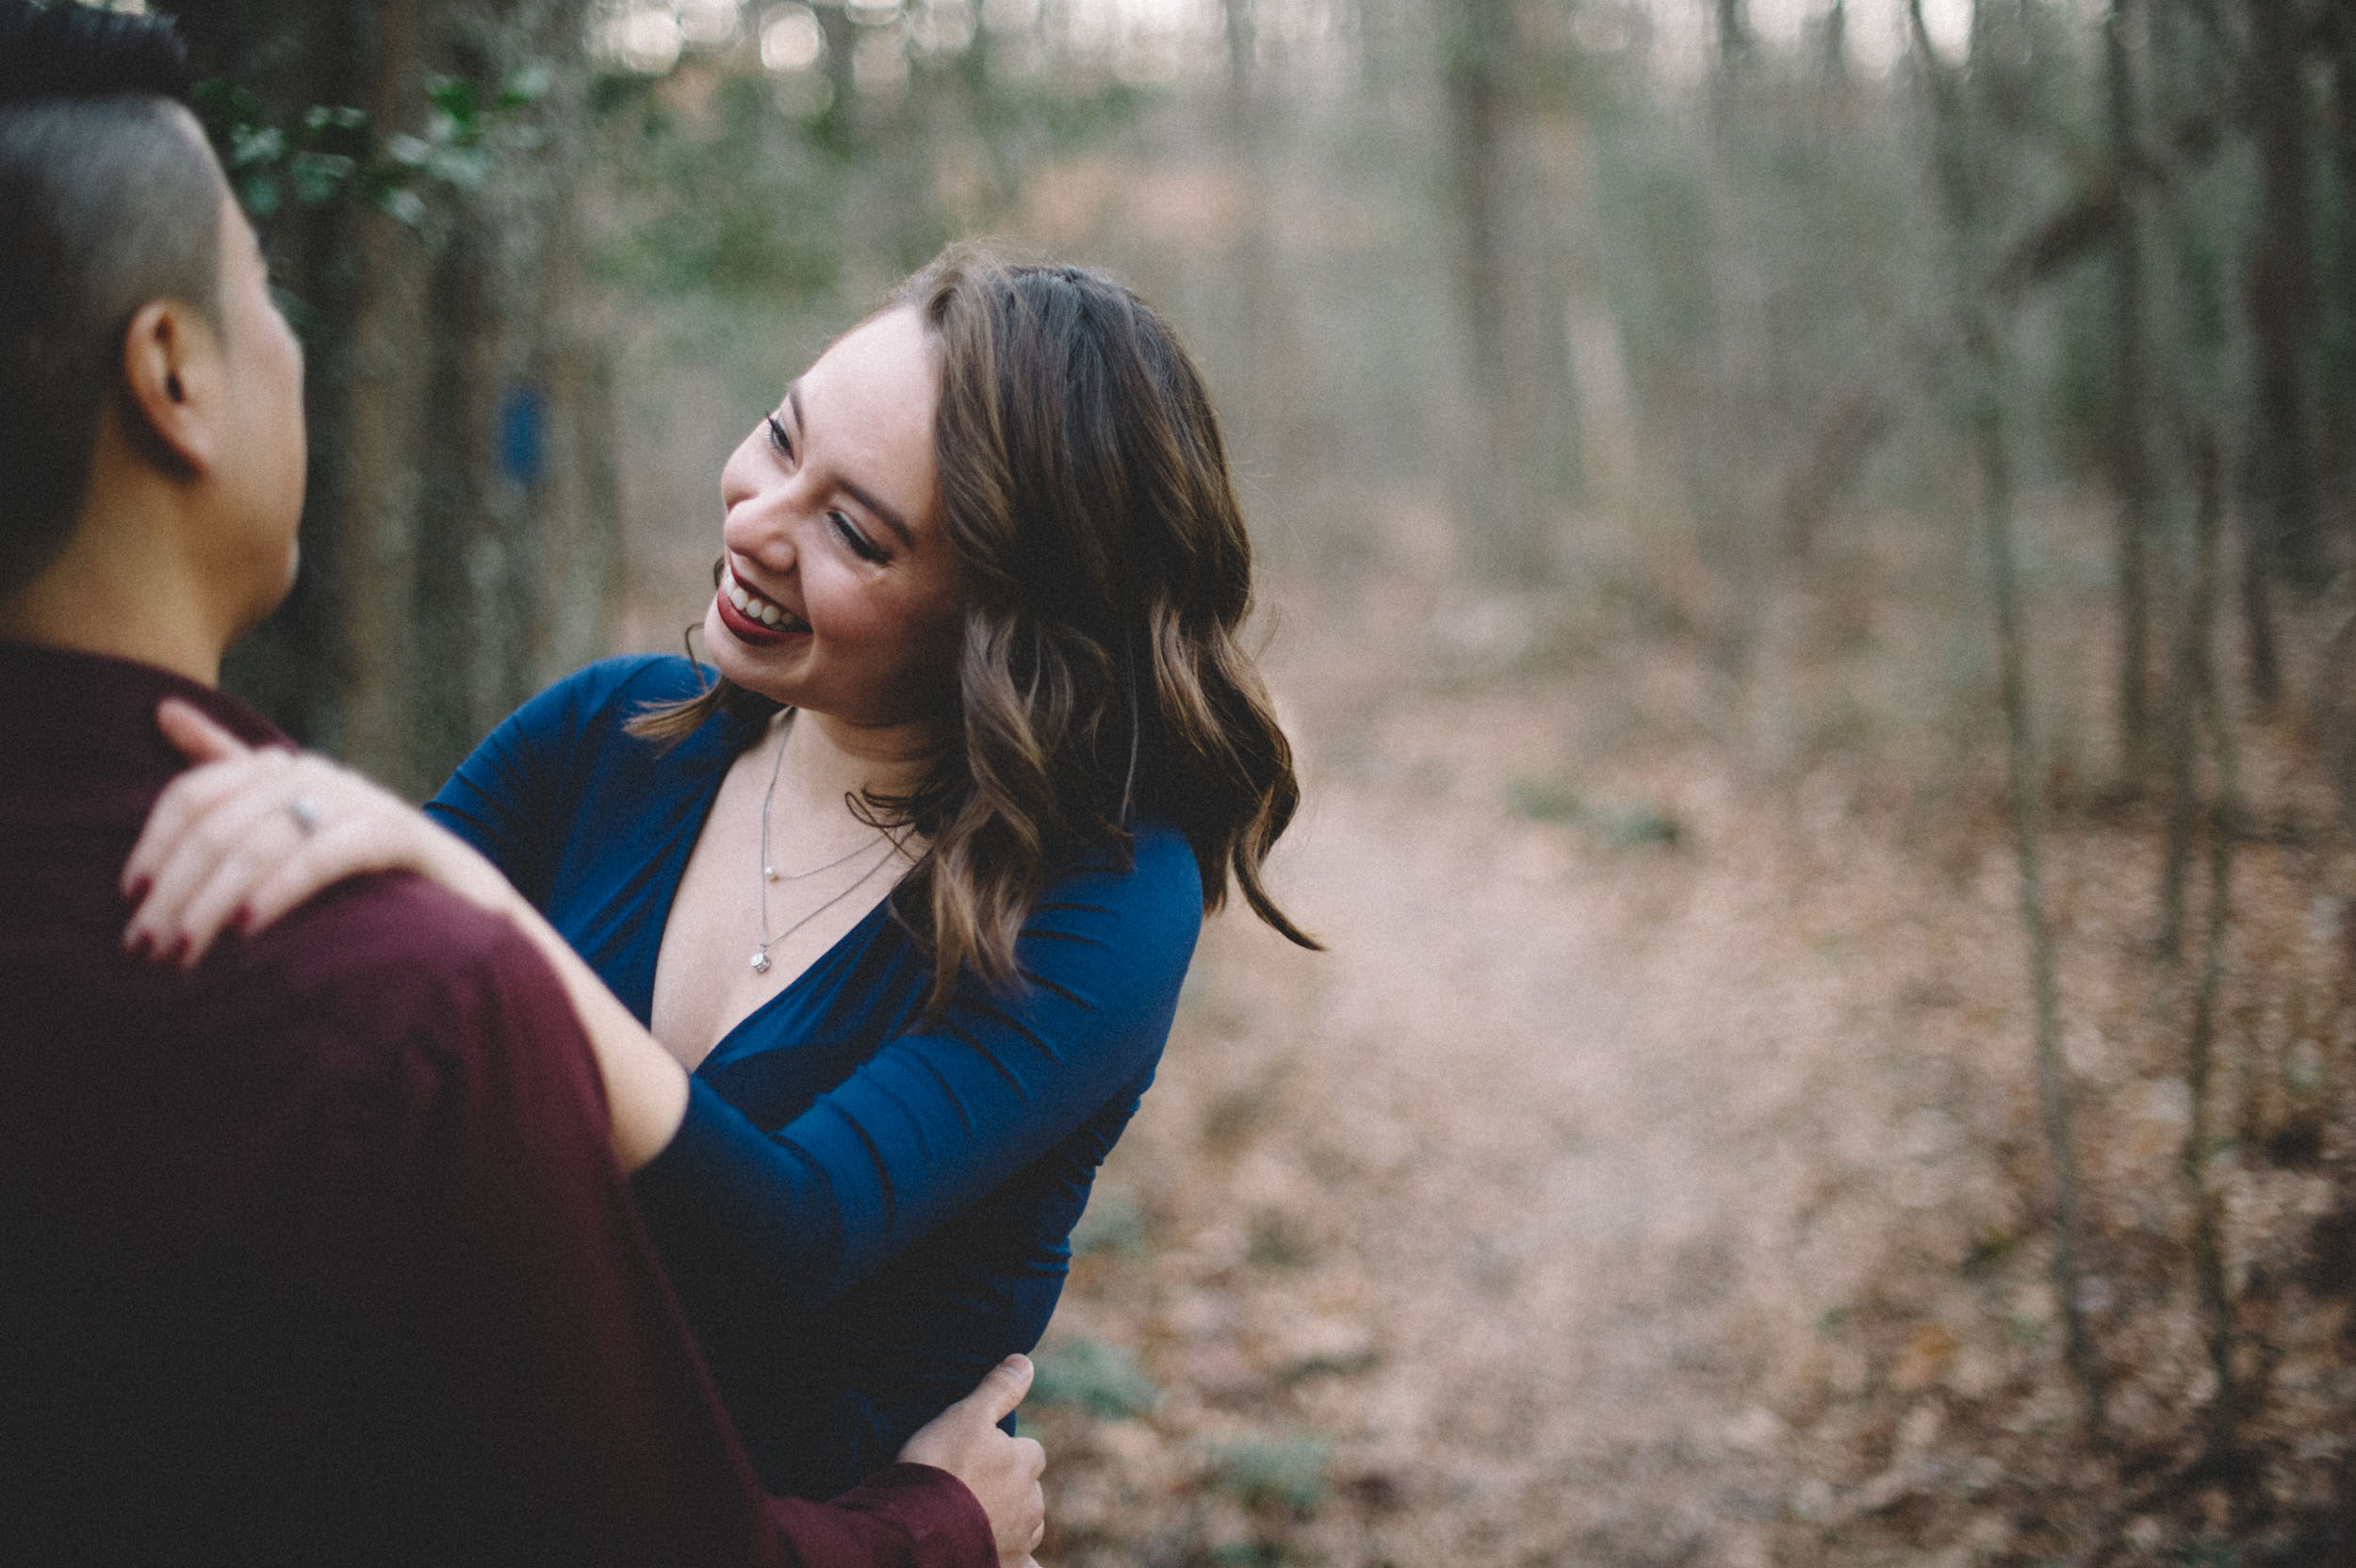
(862, 1214)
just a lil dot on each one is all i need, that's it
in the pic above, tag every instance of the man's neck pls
(108, 594)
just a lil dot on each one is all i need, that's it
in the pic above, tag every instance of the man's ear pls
(171, 377)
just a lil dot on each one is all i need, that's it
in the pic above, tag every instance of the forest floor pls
(1651, 1172)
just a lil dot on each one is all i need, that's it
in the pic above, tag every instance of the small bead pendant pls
(760, 963)
(770, 873)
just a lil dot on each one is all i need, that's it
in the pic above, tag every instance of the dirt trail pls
(1521, 1206)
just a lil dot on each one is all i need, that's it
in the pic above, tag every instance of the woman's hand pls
(1002, 1472)
(251, 833)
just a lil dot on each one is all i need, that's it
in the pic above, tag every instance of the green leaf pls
(403, 207)
(1635, 826)
(455, 96)
(1104, 1380)
(527, 84)
(1543, 800)
(1112, 1223)
(1288, 1473)
(465, 167)
(317, 176)
(408, 150)
(253, 144)
(260, 195)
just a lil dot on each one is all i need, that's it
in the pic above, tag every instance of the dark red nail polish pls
(137, 892)
(242, 921)
(178, 949)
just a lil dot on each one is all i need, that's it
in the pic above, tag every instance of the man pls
(316, 1254)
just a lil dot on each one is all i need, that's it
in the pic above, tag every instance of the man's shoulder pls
(389, 961)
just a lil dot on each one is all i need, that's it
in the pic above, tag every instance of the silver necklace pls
(769, 872)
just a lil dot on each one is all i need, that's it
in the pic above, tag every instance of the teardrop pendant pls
(760, 963)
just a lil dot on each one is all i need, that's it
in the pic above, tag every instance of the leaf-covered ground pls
(1651, 1172)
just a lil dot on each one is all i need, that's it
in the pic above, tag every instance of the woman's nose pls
(761, 526)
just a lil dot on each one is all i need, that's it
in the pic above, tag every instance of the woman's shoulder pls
(599, 699)
(624, 682)
(1157, 869)
(1123, 916)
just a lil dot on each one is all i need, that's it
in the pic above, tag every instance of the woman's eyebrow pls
(886, 512)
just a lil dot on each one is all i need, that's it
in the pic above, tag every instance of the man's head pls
(140, 358)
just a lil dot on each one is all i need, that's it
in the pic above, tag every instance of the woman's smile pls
(754, 619)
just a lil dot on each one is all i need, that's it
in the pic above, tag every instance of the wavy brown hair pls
(1084, 487)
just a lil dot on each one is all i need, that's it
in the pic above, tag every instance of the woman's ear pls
(172, 378)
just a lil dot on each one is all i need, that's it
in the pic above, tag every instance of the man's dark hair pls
(106, 203)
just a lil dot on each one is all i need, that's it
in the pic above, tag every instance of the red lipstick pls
(746, 630)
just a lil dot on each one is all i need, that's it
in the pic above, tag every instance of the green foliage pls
(1112, 1223)
(1277, 1244)
(329, 151)
(1989, 1251)
(1543, 800)
(1629, 825)
(723, 181)
(1246, 1554)
(1637, 825)
(1103, 1379)
(1286, 1473)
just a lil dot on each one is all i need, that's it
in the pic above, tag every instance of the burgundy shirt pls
(319, 1254)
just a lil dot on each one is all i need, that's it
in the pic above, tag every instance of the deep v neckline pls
(666, 901)
(726, 1048)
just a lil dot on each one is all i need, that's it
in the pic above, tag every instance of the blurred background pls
(1803, 545)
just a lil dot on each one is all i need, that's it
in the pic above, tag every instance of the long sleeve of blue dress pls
(940, 1115)
(854, 1188)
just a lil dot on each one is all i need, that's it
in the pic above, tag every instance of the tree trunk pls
(2130, 469)
(460, 535)
(1479, 37)
(2283, 537)
(2339, 457)
(1731, 26)
(2202, 686)
(1962, 171)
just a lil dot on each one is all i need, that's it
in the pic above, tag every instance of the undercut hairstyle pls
(1106, 569)
(107, 203)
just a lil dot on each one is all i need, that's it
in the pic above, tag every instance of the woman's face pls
(840, 594)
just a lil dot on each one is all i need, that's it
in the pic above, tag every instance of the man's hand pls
(1001, 1471)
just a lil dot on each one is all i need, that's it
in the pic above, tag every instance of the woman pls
(909, 889)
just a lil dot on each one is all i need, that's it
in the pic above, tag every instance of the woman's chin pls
(727, 653)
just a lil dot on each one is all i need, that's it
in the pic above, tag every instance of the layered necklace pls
(770, 874)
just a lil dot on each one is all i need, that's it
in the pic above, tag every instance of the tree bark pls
(1479, 37)
(2130, 469)
(2199, 665)
(1961, 172)
(2283, 536)
(459, 536)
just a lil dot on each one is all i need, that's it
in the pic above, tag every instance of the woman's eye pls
(863, 547)
(777, 437)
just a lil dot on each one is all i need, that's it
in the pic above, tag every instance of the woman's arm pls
(249, 834)
(939, 1116)
(930, 1123)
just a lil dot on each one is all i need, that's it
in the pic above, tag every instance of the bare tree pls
(2130, 462)
(1960, 175)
